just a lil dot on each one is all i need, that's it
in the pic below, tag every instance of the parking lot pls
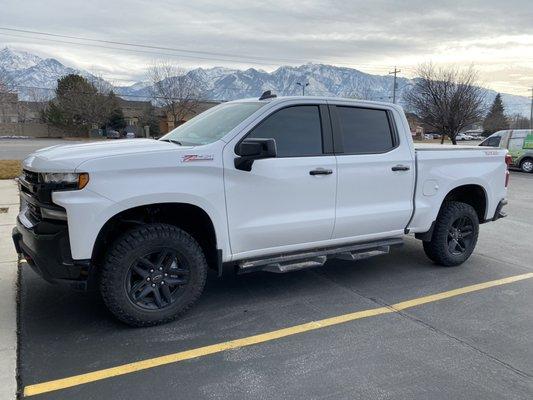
(471, 343)
(18, 149)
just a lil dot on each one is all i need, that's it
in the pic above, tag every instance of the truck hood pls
(66, 158)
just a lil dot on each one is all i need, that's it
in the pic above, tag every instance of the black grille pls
(31, 177)
(34, 213)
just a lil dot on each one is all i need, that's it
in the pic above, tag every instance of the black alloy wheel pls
(460, 235)
(155, 280)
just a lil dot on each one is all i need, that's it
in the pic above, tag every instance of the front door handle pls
(401, 168)
(321, 171)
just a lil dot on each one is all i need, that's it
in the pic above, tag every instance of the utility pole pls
(303, 85)
(395, 72)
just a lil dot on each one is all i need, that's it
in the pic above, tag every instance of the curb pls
(9, 284)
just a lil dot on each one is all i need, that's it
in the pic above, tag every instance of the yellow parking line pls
(81, 379)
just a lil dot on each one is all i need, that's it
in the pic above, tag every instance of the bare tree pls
(174, 90)
(447, 99)
(8, 97)
(518, 121)
(7, 84)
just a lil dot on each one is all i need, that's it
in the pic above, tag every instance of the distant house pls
(31, 111)
(134, 111)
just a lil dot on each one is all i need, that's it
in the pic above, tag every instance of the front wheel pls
(527, 165)
(454, 235)
(152, 274)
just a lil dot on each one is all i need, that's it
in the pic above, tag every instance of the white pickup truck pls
(272, 184)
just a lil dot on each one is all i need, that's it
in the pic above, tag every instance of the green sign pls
(528, 143)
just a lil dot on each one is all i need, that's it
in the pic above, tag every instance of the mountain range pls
(35, 75)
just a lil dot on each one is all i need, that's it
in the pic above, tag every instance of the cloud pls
(370, 35)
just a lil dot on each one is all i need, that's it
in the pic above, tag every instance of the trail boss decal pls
(196, 157)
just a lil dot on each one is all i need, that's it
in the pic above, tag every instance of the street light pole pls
(303, 85)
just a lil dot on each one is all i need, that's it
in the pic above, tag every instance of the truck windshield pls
(212, 124)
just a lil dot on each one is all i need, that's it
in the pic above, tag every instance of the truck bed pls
(443, 147)
(440, 168)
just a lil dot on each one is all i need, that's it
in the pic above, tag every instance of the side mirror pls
(250, 150)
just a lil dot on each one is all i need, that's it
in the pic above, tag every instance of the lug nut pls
(148, 279)
(162, 282)
(166, 274)
(151, 270)
(153, 284)
(160, 268)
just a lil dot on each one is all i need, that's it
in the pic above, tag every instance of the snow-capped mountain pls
(31, 74)
(218, 83)
(324, 80)
(11, 60)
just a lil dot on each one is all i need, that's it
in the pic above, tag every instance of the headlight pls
(69, 180)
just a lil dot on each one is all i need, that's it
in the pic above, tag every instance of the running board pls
(315, 258)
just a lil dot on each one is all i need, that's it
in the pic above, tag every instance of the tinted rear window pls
(365, 130)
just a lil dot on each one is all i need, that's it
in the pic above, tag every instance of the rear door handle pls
(400, 168)
(321, 171)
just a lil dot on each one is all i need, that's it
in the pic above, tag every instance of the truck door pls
(375, 169)
(289, 199)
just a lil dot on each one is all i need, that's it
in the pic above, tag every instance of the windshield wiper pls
(172, 141)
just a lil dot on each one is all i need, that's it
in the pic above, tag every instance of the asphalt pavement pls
(473, 345)
(19, 149)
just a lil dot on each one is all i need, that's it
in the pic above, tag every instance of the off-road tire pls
(124, 252)
(525, 165)
(437, 249)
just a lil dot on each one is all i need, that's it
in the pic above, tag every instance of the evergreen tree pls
(495, 119)
(79, 103)
(116, 118)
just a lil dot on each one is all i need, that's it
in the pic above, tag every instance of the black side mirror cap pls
(250, 150)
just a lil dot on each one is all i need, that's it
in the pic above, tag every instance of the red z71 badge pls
(196, 157)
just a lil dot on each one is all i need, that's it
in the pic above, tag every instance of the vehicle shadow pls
(53, 307)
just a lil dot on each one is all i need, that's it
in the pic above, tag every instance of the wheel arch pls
(472, 194)
(190, 217)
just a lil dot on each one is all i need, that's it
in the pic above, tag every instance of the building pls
(134, 111)
(9, 108)
(31, 111)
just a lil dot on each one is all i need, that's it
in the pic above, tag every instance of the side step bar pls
(317, 257)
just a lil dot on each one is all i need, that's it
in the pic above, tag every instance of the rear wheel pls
(454, 235)
(527, 165)
(152, 274)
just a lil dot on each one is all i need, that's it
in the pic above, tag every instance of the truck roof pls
(321, 98)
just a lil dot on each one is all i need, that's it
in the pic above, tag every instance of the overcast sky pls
(370, 35)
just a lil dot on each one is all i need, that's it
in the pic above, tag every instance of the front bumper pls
(46, 248)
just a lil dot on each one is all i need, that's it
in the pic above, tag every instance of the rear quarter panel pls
(439, 171)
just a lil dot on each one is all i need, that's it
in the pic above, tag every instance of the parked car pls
(462, 137)
(519, 142)
(113, 134)
(269, 184)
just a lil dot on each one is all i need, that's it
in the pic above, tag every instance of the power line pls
(192, 53)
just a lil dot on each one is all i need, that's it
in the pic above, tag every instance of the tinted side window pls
(492, 141)
(365, 130)
(297, 131)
